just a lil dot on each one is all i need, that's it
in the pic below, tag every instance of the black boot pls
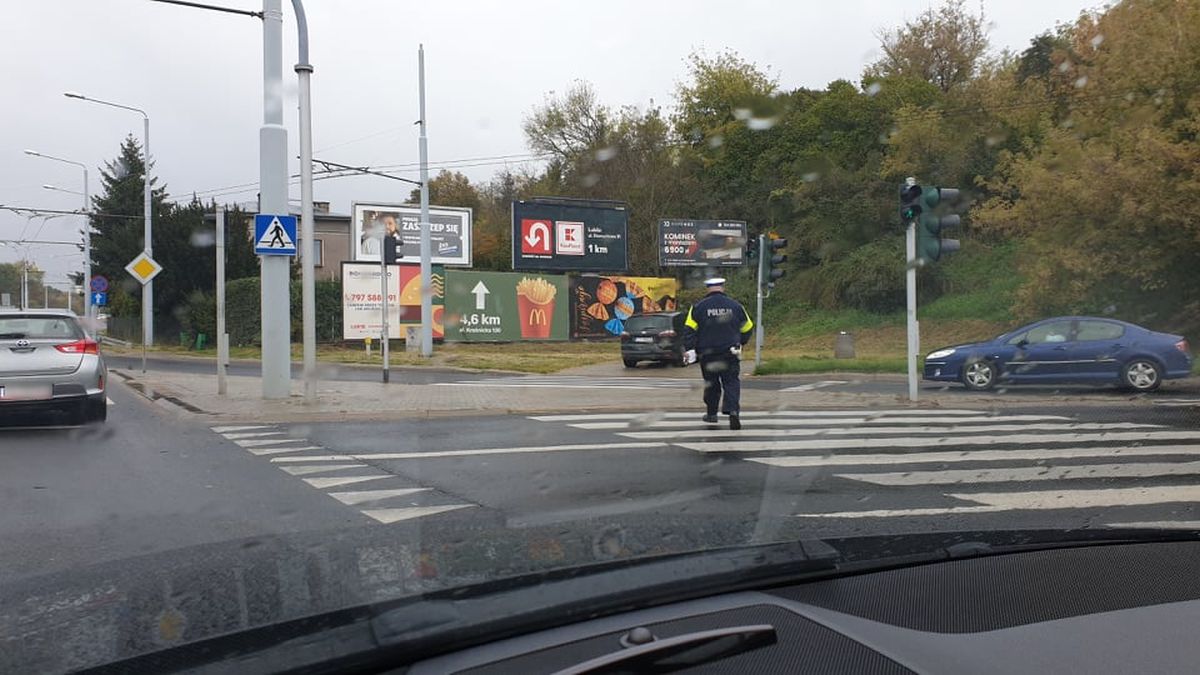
(711, 418)
(735, 422)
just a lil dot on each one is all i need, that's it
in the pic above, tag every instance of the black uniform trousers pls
(722, 374)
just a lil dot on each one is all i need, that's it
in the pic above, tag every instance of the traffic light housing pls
(926, 207)
(752, 249)
(773, 259)
(392, 250)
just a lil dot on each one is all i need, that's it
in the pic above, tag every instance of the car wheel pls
(630, 363)
(979, 375)
(1141, 375)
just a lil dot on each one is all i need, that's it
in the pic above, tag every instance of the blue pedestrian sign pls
(99, 298)
(274, 234)
(99, 284)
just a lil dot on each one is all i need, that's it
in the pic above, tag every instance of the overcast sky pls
(199, 76)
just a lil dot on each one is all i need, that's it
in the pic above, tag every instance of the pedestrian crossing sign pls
(274, 234)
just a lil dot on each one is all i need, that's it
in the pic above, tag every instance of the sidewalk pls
(195, 394)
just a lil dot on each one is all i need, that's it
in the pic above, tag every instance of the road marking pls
(977, 456)
(816, 421)
(222, 430)
(322, 483)
(109, 401)
(467, 453)
(373, 495)
(815, 385)
(1029, 473)
(251, 434)
(269, 441)
(322, 468)
(1014, 439)
(990, 502)
(533, 385)
(751, 432)
(281, 450)
(1160, 525)
(1178, 402)
(387, 516)
(864, 412)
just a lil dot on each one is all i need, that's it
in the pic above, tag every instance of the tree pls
(943, 46)
(716, 89)
(449, 189)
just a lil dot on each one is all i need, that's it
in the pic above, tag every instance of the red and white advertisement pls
(568, 237)
(535, 237)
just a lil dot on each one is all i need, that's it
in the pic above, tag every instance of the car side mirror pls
(1022, 343)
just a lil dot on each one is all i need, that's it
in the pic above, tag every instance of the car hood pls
(968, 347)
(118, 610)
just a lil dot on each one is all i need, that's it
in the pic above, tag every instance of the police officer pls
(717, 327)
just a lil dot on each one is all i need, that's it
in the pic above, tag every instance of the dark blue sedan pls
(1066, 349)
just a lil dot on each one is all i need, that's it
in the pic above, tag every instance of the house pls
(331, 240)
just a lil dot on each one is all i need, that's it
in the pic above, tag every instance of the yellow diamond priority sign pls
(143, 268)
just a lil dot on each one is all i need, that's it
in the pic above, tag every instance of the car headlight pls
(940, 354)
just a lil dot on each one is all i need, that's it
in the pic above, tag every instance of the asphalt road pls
(334, 513)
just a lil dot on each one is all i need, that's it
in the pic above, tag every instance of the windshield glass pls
(453, 294)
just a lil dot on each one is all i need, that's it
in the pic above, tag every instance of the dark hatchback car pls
(1068, 349)
(653, 337)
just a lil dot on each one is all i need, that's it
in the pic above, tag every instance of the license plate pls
(643, 339)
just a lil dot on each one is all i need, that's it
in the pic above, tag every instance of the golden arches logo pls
(537, 317)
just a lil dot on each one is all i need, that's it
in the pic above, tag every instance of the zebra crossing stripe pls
(868, 413)
(1027, 473)
(826, 444)
(387, 516)
(954, 456)
(751, 432)
(818, 421)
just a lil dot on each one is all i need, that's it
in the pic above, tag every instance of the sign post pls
(144, 269)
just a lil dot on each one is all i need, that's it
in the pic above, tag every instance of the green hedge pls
(243, 318)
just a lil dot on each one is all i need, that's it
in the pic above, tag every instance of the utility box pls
(412, 339)
(843, 346)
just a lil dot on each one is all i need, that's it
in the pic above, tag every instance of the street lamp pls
(148, 288)
(87, 221)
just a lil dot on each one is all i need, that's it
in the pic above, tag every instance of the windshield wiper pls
(11, 336)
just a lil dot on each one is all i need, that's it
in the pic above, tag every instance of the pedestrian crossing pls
(580, 382)
(936, 463)
(351, 480)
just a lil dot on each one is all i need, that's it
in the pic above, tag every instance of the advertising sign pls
(570, 235)
(362, 300)
(701, 243)
(602, 304)
(449, 232)
(505, 306)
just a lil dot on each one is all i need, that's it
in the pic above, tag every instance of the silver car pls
(48, 362)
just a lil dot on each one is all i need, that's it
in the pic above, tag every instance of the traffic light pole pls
(914, 329)
(758, 321)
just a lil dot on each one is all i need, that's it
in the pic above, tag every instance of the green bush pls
(328, 296)
(242, 317)
(199, 315)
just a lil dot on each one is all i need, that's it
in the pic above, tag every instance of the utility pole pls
(758, 321)
(222, 336)
(273, 179)
(308, 302)
(910, 285)
(426, 245)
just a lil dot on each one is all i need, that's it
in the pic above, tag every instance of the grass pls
(815, 364)
(526, 357)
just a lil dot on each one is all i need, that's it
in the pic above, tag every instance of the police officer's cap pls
(715, 281)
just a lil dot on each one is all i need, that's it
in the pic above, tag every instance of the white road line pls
(468, 453)
(752, 432)
(281, 450)
(322, 483)
(532, 385)
(364, 496)
(109, 401)
(386, 516)
(819, 421)
(1049, 500)
(814, 385)
(781, 414)
(1027, 473)
(1179, 403)
(1160, 525)
(251, 434)
(222, 430)
(269, 441)
(978, 456)
(1022, 439)
(321, 468)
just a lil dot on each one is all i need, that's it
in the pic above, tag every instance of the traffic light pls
(772, 261)
(917, 204)
(752, 249)
(392, 250)
(930, 243)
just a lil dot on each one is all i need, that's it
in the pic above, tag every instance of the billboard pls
(570, 235)
(506, 306)
(601, 304)
(449, 232)
(361, 300)
(701, 243)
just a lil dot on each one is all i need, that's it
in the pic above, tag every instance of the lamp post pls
(147, 245)
(87, 223)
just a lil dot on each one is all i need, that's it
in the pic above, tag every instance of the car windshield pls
(37, 327)
(648, 323)
(302, 312)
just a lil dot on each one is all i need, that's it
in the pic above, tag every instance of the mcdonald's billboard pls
(505, 306)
